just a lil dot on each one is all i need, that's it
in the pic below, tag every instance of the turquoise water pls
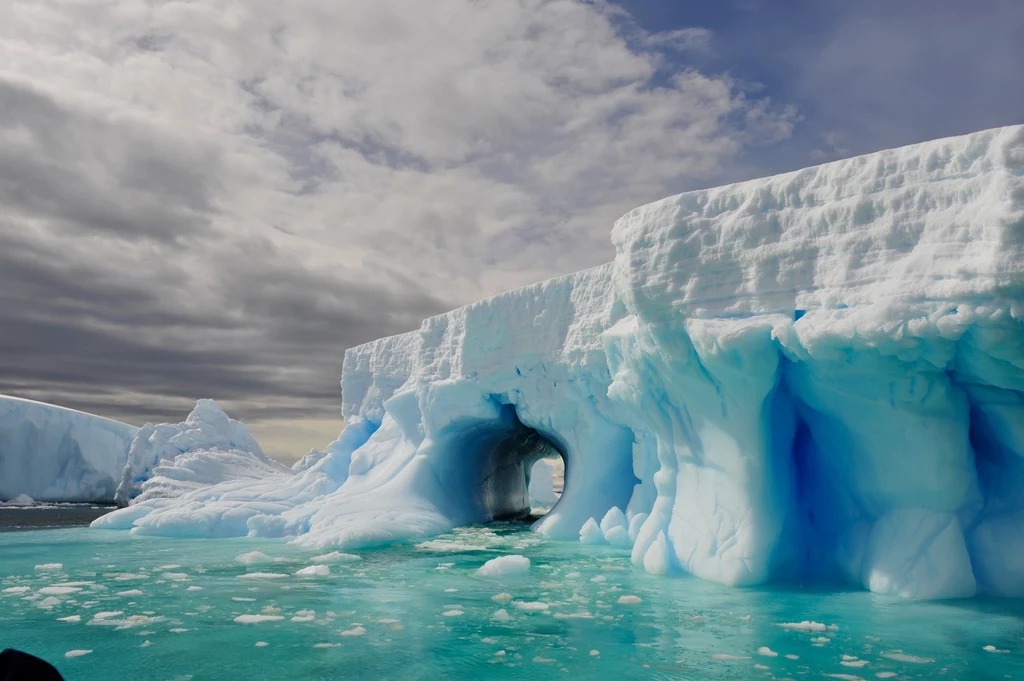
(151, 608)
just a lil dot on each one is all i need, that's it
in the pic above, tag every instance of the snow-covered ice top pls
(818, 375)
(51, 453)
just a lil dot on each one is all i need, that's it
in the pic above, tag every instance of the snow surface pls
(50, 453)
(816, 375)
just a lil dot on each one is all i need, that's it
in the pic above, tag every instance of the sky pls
(216, 198)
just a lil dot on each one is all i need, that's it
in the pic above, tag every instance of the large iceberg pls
(51, 453)
(814, 376)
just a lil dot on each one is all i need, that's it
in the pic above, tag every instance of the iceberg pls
(812, 376)
(51, 453)
(208, 447)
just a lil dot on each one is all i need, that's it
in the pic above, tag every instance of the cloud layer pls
(217, 198)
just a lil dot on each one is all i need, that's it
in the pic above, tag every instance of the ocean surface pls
(107, 605)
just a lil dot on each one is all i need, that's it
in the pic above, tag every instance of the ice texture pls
(816, 375)
(50, 453)
(170, 459)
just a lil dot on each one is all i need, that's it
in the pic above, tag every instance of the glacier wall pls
(52, 453)
(815, 376)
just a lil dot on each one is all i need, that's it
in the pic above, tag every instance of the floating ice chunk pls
(70, 618)
(544, 660)
(595, 653)
(992, 649)
(765, 651)
(630, 600)
(76, 653)
(253, 557)
(145, 644)
(854, 663)
(51, 566)
(505, 565)
(336, 557)
(256, 619)
(20, 500)
(314, 571)
(13, 590)
(531, 606)
(130, 592)
(726, 657)
(326, 645)
(501, 598)
(900, 656)
(885, 675)
(635, 523)
(590, 533)
(501, 615)
(261, 644)
(107, 614)
(262, 575)
(49, 602)
(194, 588)
(615, 527)
(453, 613)
(59, 590)
(354, 631)
(804, 626)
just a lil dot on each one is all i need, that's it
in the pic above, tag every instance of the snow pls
(815, 376)
(503, 566)
(50, 453)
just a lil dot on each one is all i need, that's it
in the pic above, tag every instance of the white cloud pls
(244, 159)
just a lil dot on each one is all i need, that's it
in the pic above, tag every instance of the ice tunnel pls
(818, 374)
(488, 466)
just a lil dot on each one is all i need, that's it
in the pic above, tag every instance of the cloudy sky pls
(214, 198)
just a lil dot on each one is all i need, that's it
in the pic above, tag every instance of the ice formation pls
(817, 375)
(208, 447)
(542, 484)
(50, 453)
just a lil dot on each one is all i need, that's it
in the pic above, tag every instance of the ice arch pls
(816, 373)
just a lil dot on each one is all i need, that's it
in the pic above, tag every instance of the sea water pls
(108, 605)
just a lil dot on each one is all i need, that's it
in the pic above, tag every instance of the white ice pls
(50, 453)
(168, 460)
(816, 375)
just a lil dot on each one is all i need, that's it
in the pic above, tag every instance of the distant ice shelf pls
(814, 376)
(50, 453)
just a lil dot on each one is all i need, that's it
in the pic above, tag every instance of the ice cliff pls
(816, 376)
(50, 453)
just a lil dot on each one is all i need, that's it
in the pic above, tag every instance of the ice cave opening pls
(493, 464)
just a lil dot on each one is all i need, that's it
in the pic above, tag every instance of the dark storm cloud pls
(216, 200)
(80, 172)
(73, 336)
